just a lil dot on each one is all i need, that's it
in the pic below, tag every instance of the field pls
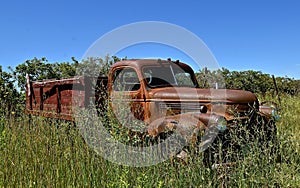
(41, 153)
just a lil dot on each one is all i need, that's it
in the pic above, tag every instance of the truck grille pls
(180, 106)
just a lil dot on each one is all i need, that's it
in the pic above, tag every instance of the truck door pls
(127, 95)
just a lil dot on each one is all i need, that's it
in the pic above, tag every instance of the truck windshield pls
(167, 75)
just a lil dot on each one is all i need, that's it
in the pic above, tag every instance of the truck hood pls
(202, 95)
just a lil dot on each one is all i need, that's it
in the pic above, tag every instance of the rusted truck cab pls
(166, 97)
(163, 92)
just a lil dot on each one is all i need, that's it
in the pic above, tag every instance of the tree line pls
(12, 82)
(250, 80)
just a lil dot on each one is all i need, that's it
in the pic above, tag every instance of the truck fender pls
(186, 124)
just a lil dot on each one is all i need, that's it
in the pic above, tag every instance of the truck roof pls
(139, 63)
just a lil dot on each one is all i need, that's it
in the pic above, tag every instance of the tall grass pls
(39, 152)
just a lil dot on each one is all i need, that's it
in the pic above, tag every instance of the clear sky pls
(261, 35)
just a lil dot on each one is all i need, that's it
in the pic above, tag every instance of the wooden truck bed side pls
(57, 98)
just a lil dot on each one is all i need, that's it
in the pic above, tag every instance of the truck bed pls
(57, 98)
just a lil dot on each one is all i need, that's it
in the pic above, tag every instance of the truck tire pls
(229, 146)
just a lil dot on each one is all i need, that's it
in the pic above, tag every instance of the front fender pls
(186, 124)
(270, 111)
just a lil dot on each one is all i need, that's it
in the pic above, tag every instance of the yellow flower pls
(13, 113)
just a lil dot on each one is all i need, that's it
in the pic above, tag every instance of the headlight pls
(222, 124)
(275, 114)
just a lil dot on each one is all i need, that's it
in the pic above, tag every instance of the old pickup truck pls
(163, 94)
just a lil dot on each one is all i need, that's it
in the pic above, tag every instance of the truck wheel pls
(229, 147)
(268, 140)
(220, 151)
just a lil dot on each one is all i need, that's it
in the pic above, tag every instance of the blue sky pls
(260, 35)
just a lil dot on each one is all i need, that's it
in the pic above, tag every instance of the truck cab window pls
(167, 75)
(126, 79)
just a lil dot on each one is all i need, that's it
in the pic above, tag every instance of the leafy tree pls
(40, 69)
(209, 79)
(10, 98)
(37, 69)
(254, 81)
(95, 66)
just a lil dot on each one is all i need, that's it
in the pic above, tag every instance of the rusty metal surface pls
(54, 98)
(139, 63)
(266, 111)
(231, 100)
(203, 95)
(183, 123)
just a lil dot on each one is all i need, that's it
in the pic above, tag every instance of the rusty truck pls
(161, 93)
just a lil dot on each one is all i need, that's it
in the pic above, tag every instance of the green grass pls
(39, 153)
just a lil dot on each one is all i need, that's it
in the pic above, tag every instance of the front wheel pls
(258, 135)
